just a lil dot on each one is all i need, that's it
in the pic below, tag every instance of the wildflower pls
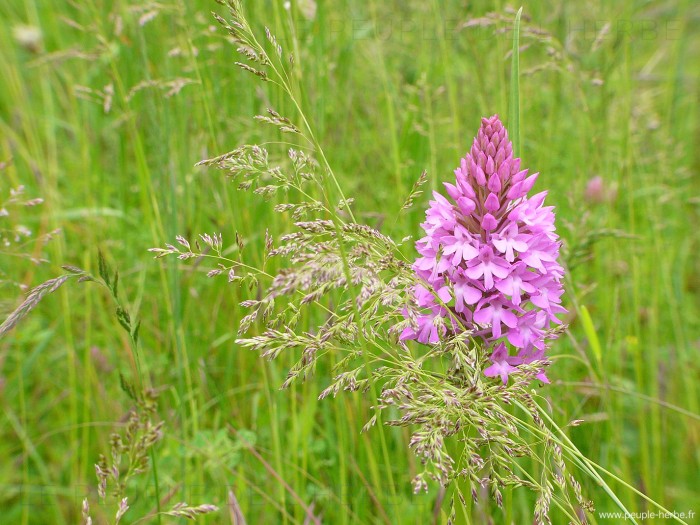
(599, 191)
(489, 258)
(595, 190)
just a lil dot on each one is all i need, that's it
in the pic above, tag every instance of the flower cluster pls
(489, 258)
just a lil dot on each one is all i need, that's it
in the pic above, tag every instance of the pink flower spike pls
(489, 259)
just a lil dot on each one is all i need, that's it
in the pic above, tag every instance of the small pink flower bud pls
(490, 166)
(494, 183)
(492, 203)
(488, 223)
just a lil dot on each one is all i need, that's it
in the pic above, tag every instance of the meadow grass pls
(105, 118)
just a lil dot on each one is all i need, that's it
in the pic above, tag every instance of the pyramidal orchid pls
(489, 258)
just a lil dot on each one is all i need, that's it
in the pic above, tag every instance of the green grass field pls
(104, 117)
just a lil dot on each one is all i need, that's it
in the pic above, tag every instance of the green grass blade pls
(591, 335)
(514, 109)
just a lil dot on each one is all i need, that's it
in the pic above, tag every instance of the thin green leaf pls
(514, 113)
(591, 335)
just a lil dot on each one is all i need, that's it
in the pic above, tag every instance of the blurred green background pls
(105, 107)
